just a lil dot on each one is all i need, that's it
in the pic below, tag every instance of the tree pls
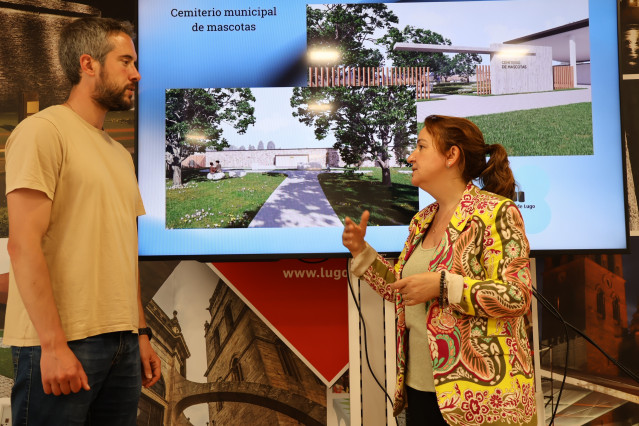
(260, 145)
(367, 122)
(438, 63)
(270, 145)
(346, 28)
(194, 118)
(251, 148)
(350, 29)
(464, 64)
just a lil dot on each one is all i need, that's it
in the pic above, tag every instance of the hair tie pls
(488, 149)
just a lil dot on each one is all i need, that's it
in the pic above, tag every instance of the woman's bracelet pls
(443, 290)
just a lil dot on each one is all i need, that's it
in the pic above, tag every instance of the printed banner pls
(304, 303)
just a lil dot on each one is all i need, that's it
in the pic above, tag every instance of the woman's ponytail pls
(497, 177)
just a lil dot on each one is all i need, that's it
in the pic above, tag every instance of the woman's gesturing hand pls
(353, 235)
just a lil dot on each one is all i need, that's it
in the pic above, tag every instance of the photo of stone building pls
(261, 379)
(168, 342)
(590, 292)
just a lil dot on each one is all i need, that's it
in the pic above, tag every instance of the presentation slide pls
(262, 125)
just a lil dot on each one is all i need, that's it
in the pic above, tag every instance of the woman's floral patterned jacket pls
(482, 363)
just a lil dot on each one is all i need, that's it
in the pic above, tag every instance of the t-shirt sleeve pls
(139, 205)
(139, 208)
(34, 157)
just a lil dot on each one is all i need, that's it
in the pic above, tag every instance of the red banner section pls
(304, 303)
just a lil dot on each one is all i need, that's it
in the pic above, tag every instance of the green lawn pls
(4, 220)
(454, 88)
(351, 194)
(8, 122)
(227, 203)
(558, 130)
(233, 203)
(429, 100)
(6, 361)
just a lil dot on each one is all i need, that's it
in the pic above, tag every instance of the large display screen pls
(261, 125)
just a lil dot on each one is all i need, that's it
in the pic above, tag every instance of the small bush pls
(451, 88)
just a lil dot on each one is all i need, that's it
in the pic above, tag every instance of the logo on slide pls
(534, 185)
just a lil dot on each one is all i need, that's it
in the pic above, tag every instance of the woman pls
(461, 285)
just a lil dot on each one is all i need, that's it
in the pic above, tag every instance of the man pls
(74, 308)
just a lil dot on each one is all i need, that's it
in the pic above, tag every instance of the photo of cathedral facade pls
(269, 384)
(597, 294)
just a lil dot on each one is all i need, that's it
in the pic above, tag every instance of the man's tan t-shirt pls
(91, 243)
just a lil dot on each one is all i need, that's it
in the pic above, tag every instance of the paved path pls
(466, 105)
(298, 202)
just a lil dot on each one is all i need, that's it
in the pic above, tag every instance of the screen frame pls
(394, 254)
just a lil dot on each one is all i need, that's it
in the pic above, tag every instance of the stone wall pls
(29, 59)
(604, 328)
(265, 159)
(575, 285)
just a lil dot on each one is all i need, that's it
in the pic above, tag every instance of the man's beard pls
(112, 97)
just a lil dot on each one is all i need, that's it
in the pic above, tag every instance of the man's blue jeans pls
(112, 364)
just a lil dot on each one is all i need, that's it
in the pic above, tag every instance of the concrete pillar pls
(573, 60)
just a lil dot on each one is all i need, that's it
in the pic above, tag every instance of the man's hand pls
(151, 371)
(62, 372)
